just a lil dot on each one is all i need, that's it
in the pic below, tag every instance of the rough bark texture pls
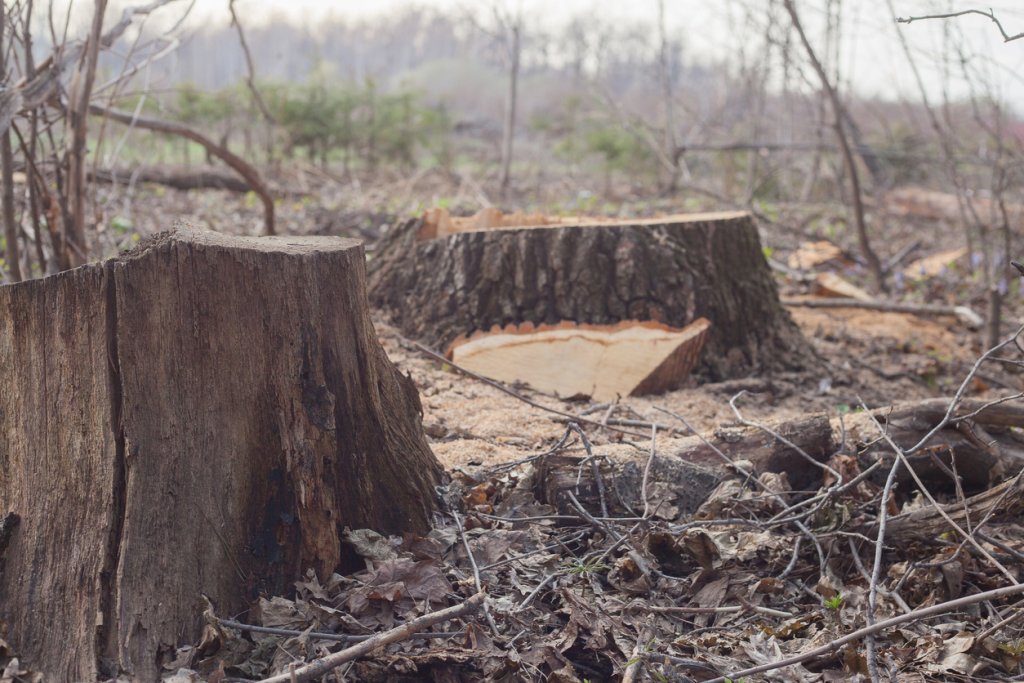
(672, 271)
(203, 415)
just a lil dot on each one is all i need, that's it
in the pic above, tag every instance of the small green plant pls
(120, 224)
(1014, 648)
(833, 603)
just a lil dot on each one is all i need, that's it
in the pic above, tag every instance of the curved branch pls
(239, 165)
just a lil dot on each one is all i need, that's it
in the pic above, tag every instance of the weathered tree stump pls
(440, 282)
(203, 415)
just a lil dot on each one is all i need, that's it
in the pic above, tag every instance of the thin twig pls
(951, 15)
(405, 631)
(320, 635)
(476, 570)
(916, 615)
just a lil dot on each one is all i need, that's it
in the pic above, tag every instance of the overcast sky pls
(872, 60)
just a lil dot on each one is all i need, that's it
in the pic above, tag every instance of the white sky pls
(872, 58)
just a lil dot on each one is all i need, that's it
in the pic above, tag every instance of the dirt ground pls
(876, 357)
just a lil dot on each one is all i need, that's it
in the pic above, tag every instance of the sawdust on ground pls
(866, 355)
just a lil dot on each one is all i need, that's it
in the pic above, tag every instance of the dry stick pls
(320, 635)
(778, 437)
(958, 396)
(476, 571)
(728, 609)
(963, 313)
(406, 631)
(250, 78)
(1017, 614)
(989, 14)
(917, 480)
(892, 595)
(633, 665)
(535, 592)
(501, 387)
(595, 469)
(841, 114)
(916, 615)
(237, 164)
(647, 472)
(522, 461)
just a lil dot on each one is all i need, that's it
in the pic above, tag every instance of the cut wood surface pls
(203, 415)
(439, 286)
(630, 358)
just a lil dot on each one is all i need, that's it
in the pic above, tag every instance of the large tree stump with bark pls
(442, 280)
(203, 415)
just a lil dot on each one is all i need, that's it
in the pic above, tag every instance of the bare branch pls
(402, 632)
(239, 165)
(916, 615)
(952, 15)
(250, 78)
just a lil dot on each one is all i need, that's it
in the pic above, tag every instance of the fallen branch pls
(989, 14)
(833, 646)
(406, 631)
(195, 180)
(320, 635)
(962, 313)
(239, 165)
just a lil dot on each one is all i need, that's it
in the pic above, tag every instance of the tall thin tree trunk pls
(78, 113)
(7, 175)
(665, 68)
(511, 102)
(849, 161)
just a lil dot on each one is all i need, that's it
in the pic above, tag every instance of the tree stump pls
(202, 415)
(440, 280)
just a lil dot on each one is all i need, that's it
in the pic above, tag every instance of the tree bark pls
(511, 103)
(11, 251)
(671, 270)
(78, 108)
(203, 415)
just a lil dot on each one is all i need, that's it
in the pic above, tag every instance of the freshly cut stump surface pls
(203, 415)
(441, 278)
(599, 361)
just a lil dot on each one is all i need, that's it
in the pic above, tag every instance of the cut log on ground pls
(202, 179)
(982, 448)
(203, 415)
(631, 358)
(439, 286)
(688, 471)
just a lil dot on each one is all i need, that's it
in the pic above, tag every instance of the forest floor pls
(651, 590)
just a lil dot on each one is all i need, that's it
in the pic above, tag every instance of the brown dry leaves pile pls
(694, 597)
